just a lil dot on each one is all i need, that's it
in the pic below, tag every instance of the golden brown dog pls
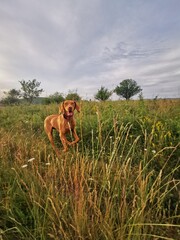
(63, 122)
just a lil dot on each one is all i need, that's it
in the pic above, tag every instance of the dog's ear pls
(77, 107)
(61, 108)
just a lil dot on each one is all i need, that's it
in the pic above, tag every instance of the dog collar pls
(66, 117)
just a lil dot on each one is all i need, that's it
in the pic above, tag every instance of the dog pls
(64, 123)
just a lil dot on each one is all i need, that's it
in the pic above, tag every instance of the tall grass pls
(119, 182)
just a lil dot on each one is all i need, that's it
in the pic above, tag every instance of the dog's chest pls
(68, 125)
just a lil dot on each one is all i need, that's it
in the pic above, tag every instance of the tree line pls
(30, 90)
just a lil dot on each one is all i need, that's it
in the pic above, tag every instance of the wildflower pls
(48, 163)
(154, 151)
(31, 159)
(91, 179)
(24, 166)
(145, 149)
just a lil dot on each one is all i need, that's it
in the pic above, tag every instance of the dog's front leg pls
(64, 141)
(75, 137)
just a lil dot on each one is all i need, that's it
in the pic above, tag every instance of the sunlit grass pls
(119, 182)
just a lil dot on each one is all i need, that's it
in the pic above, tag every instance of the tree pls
(127, 89)
(12, 97)
(54, 98)
(73, 96)
(103, 94)
(30, 90)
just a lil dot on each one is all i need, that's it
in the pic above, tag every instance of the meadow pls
(121, 181)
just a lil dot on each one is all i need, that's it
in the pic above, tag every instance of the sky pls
(81, 45)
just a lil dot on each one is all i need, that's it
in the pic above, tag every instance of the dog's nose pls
(70, 109)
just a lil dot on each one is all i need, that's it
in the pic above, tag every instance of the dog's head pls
(67, 108)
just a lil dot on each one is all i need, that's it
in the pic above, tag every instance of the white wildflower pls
(154, 151)
(31, 159)
(24, 166)
(48, 163)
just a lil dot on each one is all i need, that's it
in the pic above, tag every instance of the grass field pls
(121, 181)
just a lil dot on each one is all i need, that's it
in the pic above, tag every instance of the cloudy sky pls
(81, 45)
